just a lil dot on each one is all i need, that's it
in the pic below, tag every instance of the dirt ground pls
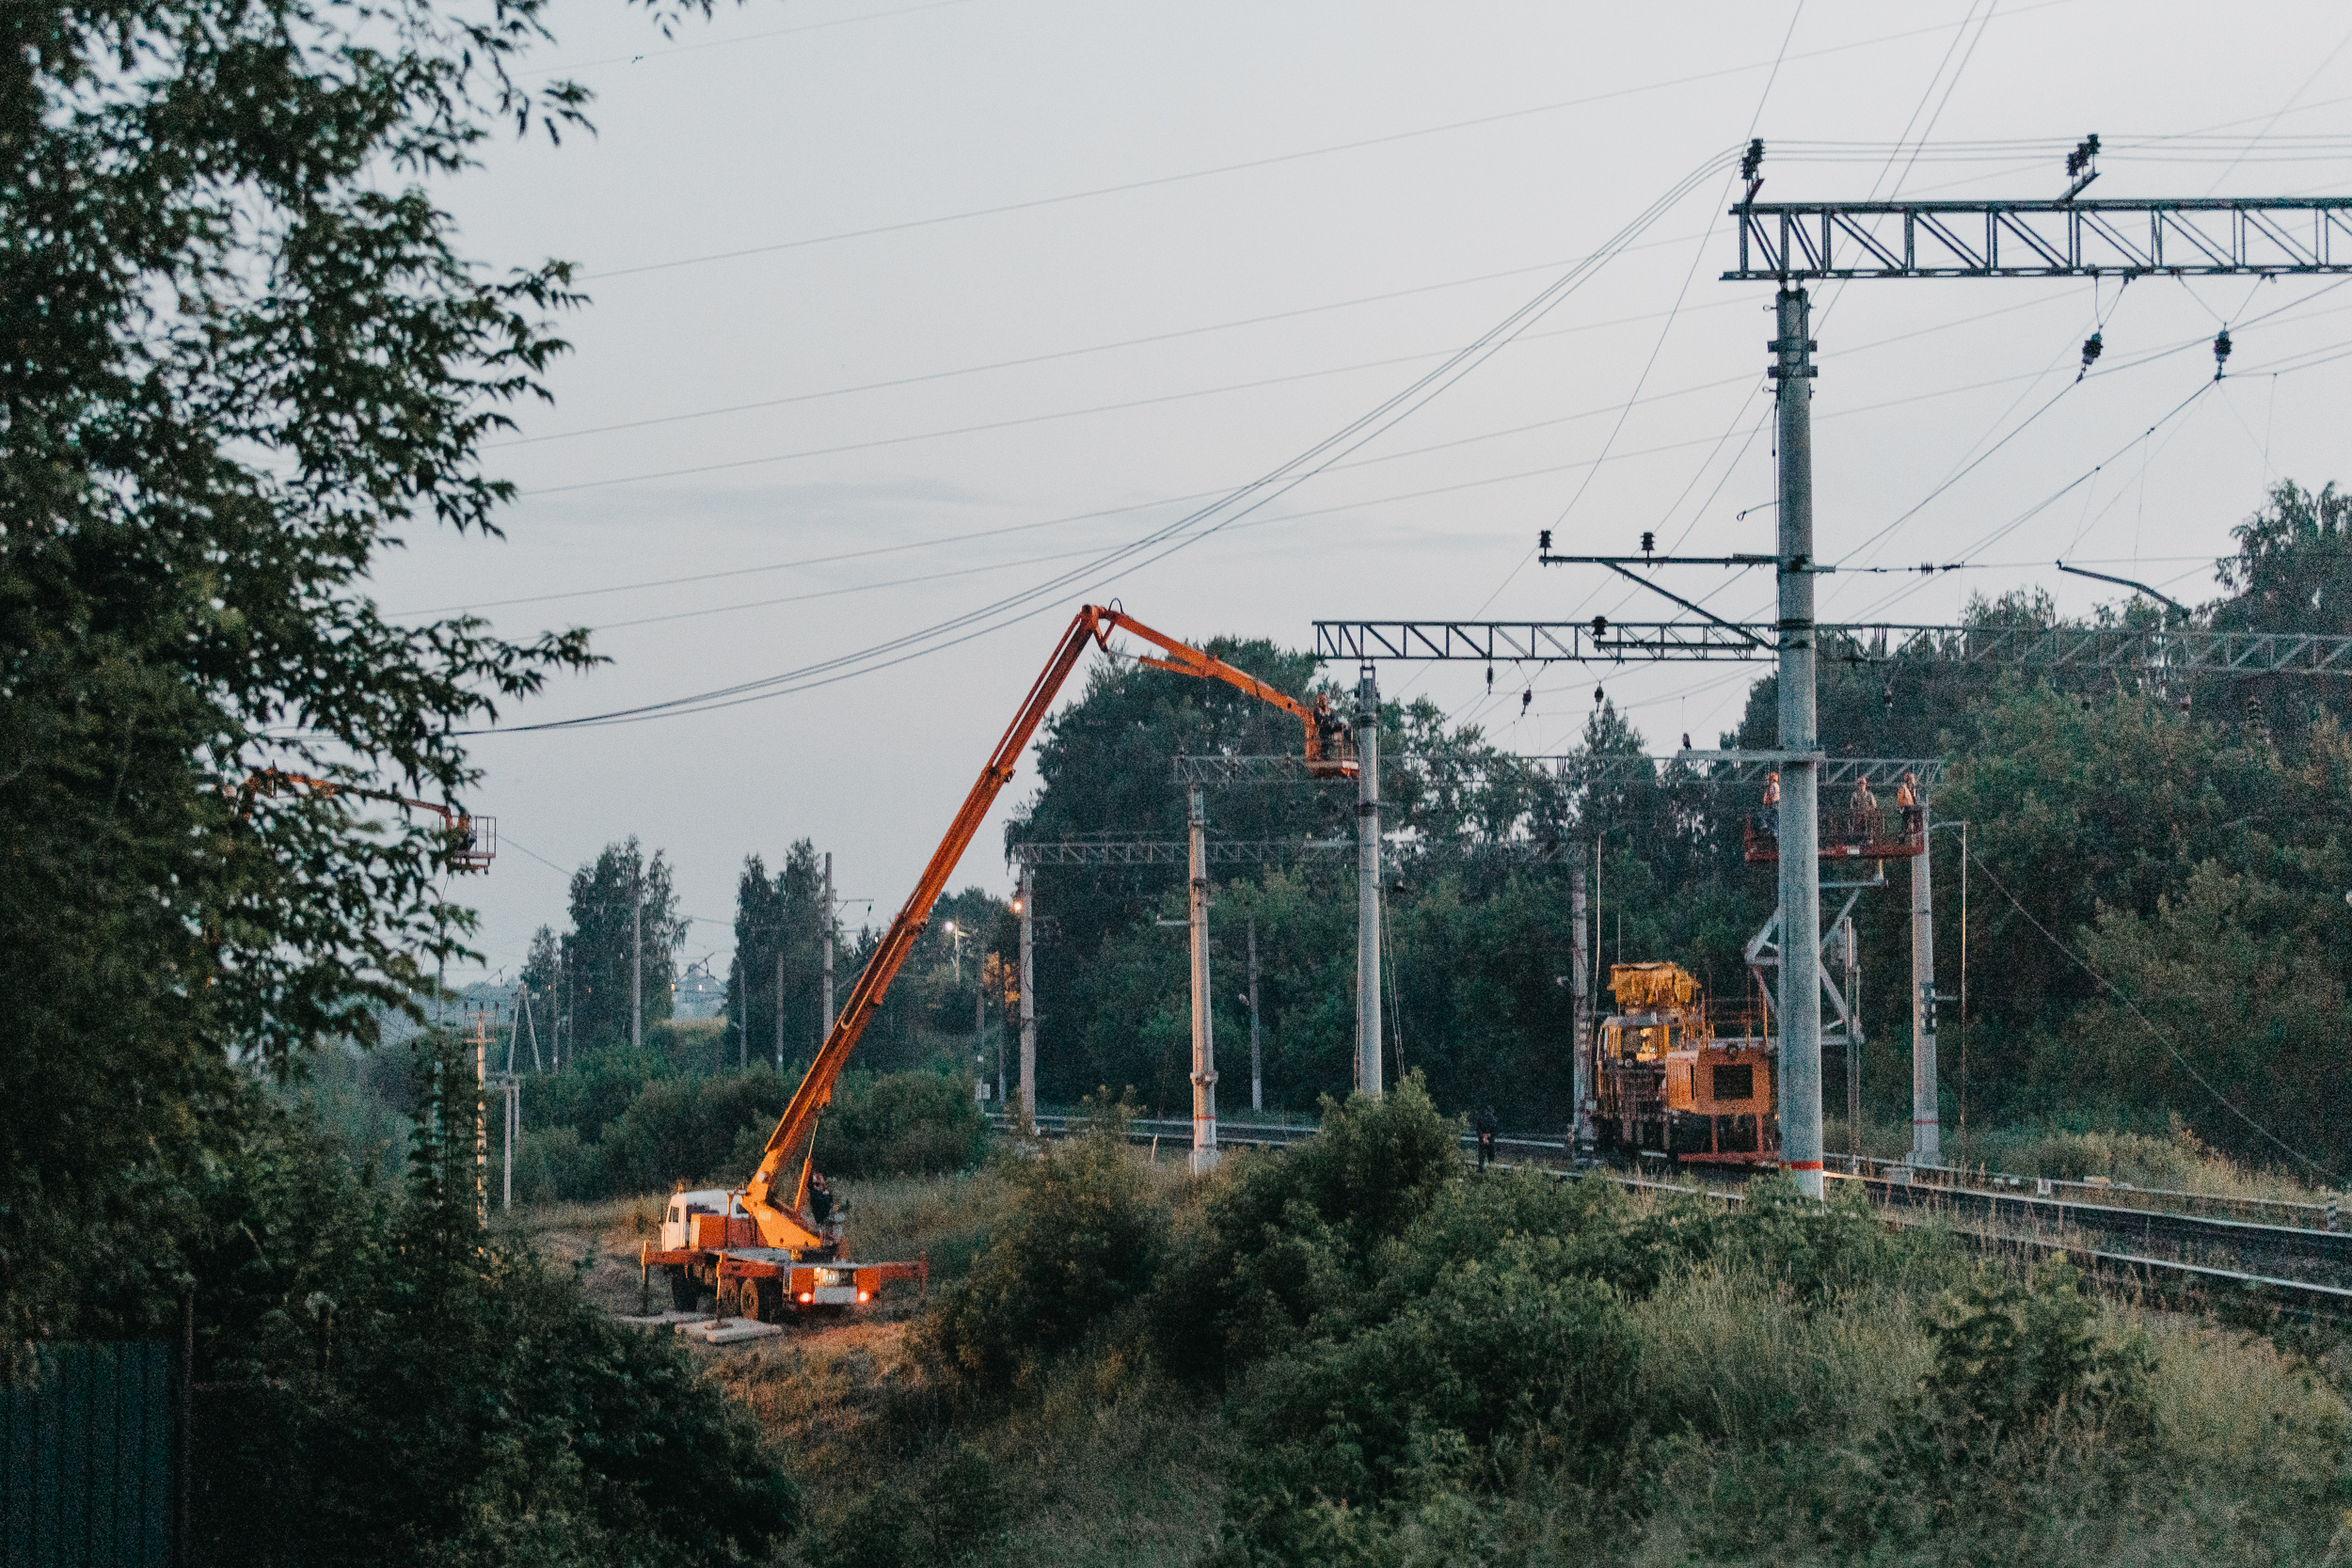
(944, 1221)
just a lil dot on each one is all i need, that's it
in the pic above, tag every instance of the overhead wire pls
(1177, 535)
(1277, 159)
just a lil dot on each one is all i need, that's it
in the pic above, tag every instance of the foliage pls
(626, 931)
(1286, 1239)
(600, 1132)
(779, 955)
(441, 1397)
(2012, 1355)
(1085, 1240)
(239, 356)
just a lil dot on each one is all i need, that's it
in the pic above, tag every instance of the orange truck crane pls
(761, 1250)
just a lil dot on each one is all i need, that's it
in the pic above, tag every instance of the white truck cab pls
(678, 1224)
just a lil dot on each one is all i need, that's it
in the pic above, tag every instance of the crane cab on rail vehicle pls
(1669, 1087)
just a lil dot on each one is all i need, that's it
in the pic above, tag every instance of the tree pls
(239, 356)
(624, 916)
(778, 972)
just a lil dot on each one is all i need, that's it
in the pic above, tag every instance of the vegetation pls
(618, 1124)
(1355, 1351)
(441, 1394)
(2184, 965)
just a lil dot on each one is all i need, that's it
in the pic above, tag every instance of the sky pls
(899, 313)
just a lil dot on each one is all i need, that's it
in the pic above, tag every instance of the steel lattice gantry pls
(1788, 241)
(2242, 653)
(1174, 851)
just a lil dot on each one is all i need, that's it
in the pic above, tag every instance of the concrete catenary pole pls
(1027, 895)
(1800, 776)
(746, 1040)
(1581, 985)
(1927, 1132)
(637, 972)
(1368, 885)
(1204, 1037)
(1257, 1061)
(824, 1030)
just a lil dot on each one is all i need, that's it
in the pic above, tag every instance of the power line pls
(1177, 535)
(1077, 352)
(1274, 160)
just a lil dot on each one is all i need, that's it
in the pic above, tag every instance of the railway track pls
(2299, 1271)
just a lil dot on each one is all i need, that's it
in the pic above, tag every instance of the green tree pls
(778, 969)
(625, 915)
(240, 355)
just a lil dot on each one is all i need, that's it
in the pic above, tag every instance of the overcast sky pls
(1220, 235)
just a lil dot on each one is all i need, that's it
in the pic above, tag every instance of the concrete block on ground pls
(666, 1319)
(734, 1331)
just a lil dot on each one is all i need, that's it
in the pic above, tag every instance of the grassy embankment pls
(1358, 1355)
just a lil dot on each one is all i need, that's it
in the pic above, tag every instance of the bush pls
(432, 1397)
(1290, 1235)
(2012, 1355)
(899, 1124)
(1085, 1240)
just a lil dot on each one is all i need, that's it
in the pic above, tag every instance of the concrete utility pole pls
(825, 1031)
(1368, 884)
(1027, 899)
(637, 971)
(1926, 1133)
(747, 1042)
(1257, 1065)
(1800, 821)
(532, 1024)
(480, 1119)
(1203, 1034)
(1580, 985)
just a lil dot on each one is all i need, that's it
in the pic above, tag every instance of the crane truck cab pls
(712, 1218)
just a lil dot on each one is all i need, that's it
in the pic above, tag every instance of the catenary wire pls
(1276, 159)
(1186, 530)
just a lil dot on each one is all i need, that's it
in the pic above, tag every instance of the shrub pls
(433, 1396)
(2014, 1355)
(899, 1124)
(1290, 1235)
(1085, 1240)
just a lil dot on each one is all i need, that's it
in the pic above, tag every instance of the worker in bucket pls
(1863, 798)
(1771, 803)
(820, 1199)
(1488, 1125)
(1907, 800)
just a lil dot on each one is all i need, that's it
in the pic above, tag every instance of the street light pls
(958, 938)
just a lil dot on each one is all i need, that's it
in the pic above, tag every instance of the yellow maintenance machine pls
(1670, 1086)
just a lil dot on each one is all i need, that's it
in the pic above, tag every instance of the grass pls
(2177, 1161)
(1779, 1434)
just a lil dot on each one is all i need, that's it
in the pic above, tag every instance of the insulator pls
(1649, 542)
(1601, 625)
(1526, 697)
(1596, 696)
(2221, 346)
(1543, 541)
(1753, 159)
(2092, 346)
(1490, 680)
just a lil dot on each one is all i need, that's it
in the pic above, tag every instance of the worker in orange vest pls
(1771, 803)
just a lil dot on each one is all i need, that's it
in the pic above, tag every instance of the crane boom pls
(781, 1224)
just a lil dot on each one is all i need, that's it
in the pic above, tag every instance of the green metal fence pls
(86, 1458)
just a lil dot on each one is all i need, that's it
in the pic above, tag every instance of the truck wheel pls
(769, 1296)
(684, 1292)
